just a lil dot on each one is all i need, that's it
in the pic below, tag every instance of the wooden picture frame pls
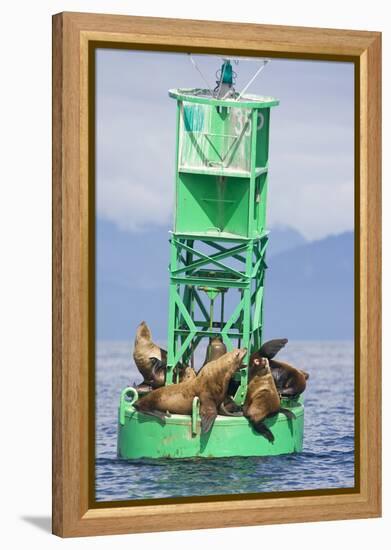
(75, 35)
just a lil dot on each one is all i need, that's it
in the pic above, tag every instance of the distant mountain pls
(308, 295)
(283, 238)
(309, 290)
(131, 281)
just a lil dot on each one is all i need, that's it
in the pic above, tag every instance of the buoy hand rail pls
(129, 396)
(194, 415)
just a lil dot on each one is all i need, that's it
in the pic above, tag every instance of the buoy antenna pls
(201, 74)
(265, 62)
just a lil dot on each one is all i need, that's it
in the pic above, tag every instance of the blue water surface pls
(326, 462)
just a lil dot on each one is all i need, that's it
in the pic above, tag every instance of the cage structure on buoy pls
(217, 259)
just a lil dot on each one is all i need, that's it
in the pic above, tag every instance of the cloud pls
(135, 157)
(311, 142)
(315, 210)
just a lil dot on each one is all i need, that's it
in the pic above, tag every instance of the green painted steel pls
(193, 277)
(179, 436)
(197, 95)
(219, 238)
(217, 249)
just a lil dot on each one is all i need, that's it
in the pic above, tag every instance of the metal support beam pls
(243, 326)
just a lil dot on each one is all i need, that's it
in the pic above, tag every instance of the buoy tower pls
(217, 272)
(219, 240)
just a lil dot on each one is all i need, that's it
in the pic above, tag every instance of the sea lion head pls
(239, 355)
(143, 332)
(233, 359)
(216, 348)
(227, 364)
(259, 367)
(187, 373)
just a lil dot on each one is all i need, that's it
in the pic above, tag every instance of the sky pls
(311, 160)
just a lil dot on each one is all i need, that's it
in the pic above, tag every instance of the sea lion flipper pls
(158, 414)
(225, 412)
(208, 413)
(263, 430)
(207, 421)
(289, 414)
(157, 365)
(141, 407)
(270, 348)
(229, 408)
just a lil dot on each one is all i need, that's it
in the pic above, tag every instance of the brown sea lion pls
(269, 349)
(144, 350)
(187, 373)
(262, 399)
(151, 361)
(289, 381)
(210, 386)
(216, 348)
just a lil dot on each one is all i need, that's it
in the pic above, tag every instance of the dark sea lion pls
(216, 348)
(159, 369)
(289, 380)
(210, 386)
(229, 407)
(269, 349)
(262, 399)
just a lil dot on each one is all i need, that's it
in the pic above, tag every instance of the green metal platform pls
(143, 436)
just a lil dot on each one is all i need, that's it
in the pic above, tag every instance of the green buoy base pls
(179, 436)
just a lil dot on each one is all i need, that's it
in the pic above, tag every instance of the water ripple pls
(326, 462)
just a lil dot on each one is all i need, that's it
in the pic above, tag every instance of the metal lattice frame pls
(219, 239)
(192, 269)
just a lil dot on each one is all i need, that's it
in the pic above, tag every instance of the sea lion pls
(262, 399)
(216, 348)
(210, 386)
(159, 369)
(151, 361)
(269, 349)
(289, 381)
(144, 350)
(229, 407)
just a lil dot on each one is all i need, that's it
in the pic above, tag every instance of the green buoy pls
(217, 252)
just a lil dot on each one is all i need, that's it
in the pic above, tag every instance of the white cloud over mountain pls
(311, 143)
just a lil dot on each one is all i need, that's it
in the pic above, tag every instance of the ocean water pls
(326, 462)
